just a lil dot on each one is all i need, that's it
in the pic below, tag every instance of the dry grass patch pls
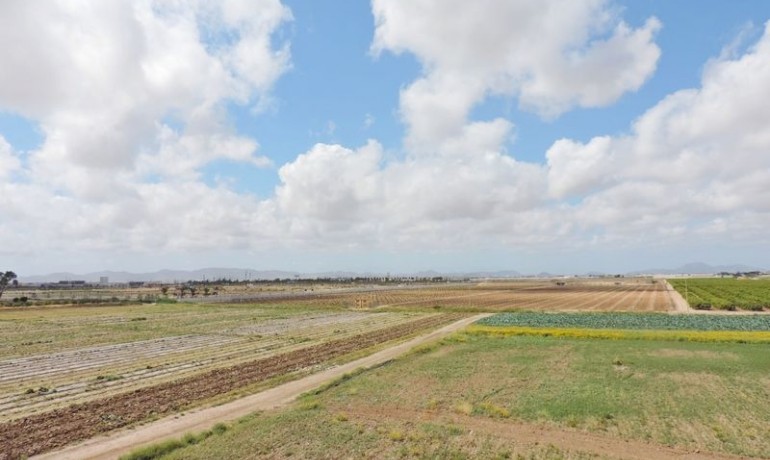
(699, 354)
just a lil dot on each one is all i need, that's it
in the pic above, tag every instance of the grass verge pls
(156, 451)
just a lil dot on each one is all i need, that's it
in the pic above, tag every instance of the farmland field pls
(601, 294)
(72, 372)
(608, 294)
(569, 295)
(88, 373)
(725, 293)
(479, 396)
(631, 321)
(152, 359)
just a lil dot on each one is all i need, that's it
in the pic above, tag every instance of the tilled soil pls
(605, 297)
(74, 374)
(47, 431)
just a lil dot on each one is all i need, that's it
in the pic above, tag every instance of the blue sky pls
(335, 79)
(384, 136)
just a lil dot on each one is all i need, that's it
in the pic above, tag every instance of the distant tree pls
(6, 279)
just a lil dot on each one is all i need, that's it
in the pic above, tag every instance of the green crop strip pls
(630, 321)
(725, 293)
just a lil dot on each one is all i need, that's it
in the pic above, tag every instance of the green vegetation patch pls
(631, 321)
(725, 293)
(156, 451)
(318, 433)
(706, 396)
(457, 400)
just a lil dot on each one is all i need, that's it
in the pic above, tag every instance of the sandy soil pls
(677, 301)
(120, 442)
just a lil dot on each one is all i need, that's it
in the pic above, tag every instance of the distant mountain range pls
(700, 268)
(163, 275)
(249, 274)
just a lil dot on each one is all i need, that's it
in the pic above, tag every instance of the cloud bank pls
(131, 100)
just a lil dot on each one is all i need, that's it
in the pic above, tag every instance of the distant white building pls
(104, 280)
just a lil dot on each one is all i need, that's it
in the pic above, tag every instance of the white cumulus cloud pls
(104, 79)
(553, 55)
(697, 160)
(130, 99)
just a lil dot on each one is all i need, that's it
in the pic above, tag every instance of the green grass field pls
(462, 398)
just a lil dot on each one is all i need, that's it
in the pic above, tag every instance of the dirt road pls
(677, 301)
(118, 443)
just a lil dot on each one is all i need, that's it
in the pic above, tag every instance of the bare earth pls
(677, 301)
(122, 442)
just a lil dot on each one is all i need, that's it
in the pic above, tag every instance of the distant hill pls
(699, 268)
(165, 275)
(485, 274)
(169, 276)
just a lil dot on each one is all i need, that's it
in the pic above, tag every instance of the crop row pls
(630, 321)
(94, 372)
(45, 431)
(724, 293)
(545, 296)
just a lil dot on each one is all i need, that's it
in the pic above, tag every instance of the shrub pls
(396, 435)
(219, 428)
(154, 451)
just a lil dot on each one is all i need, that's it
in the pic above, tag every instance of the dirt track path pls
(677, 301)
(118, 443)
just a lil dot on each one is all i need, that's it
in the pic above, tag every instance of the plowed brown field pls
(636, 295)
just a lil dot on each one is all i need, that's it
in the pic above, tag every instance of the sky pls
(394, 136)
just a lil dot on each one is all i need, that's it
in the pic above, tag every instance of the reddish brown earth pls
(50, 430)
